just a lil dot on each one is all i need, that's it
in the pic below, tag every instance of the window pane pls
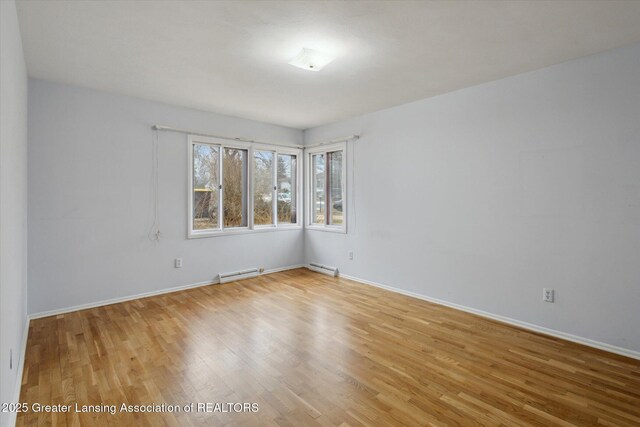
(335, 187)
(234, 196)
(205, 186)
(287, 197)
(263, 188)
(317, 189)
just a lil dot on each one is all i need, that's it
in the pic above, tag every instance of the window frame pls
(309, 153)
(250, 147)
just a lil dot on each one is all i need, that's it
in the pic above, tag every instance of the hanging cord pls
(154, 233)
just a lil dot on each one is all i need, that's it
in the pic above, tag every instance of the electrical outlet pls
(178, 263)
(350, 254)
(547, 294)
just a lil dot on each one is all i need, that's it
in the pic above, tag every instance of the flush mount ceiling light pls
(311, 60)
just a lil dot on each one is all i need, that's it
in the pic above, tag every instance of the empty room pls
(320, 213)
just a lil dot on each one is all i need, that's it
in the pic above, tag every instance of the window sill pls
(244, 230)
(327, 228)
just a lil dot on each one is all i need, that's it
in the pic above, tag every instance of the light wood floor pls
(313, 350)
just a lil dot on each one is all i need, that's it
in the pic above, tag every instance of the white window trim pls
(250, 228)
(340, 146)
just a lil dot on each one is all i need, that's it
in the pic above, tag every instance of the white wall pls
(13, 200)
(484, 196)
(90, 200)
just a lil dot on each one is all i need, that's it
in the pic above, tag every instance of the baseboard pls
(525, 325)
(143, 295)
(279, 269)
(20, 371)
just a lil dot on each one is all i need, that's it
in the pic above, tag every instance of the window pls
(326, 188)
(237, 187)
(234, 188)
(206, 194)
(287, 183)
(334, 187)
(263, 187)
(317, 189)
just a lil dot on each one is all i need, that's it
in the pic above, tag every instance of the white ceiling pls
(231, 57)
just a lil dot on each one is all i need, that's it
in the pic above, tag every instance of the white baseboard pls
(279, 269)
(19, 371)
(525, 325)
(143, 295)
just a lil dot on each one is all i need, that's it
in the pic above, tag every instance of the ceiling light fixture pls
(312, 60)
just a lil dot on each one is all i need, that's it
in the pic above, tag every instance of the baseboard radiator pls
(238, 275)
(324, 269)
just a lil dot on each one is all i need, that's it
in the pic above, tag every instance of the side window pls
(326, 198)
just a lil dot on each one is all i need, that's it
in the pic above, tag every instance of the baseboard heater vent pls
(238, 275)
(324, 269)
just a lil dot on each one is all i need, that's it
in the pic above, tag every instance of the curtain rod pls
(334, 141)
(190, 132)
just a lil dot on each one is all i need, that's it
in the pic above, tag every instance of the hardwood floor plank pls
(316, 351)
